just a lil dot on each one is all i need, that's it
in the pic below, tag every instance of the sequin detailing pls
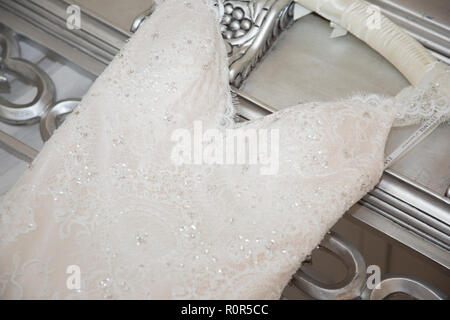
(103, 194)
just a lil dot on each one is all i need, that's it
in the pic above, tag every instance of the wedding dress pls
(104, 196)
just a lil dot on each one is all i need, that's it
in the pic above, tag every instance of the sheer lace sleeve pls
(431, 96)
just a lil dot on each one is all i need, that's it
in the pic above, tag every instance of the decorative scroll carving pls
(250, 29)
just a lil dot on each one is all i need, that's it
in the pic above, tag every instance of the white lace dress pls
(103, 195)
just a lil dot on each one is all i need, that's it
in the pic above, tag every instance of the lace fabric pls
(104, 196)
(416, 104)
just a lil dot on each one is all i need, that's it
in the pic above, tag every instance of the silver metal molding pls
(92, 47)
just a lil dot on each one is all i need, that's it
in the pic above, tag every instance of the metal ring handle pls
(140, 18)
(10, 47)
(29, 112)
(410, 286)
(50, 122)
(349, 288)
